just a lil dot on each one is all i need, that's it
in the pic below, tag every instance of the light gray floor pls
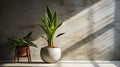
(65, 64)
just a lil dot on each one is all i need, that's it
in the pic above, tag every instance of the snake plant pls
(50, 25)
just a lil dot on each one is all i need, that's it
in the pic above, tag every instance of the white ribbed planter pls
(50, 55)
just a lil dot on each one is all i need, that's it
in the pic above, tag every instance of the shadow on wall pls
(116, 55)
(17, 18)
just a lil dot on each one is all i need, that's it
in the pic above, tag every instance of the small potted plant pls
(50, 53)
(21, 46)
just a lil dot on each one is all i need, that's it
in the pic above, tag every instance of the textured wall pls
(91, 27)
(90, 33)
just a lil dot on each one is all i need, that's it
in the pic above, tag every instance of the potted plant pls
(50, 53)
(21, 46)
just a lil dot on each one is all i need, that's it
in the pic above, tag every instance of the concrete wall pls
(91, 27)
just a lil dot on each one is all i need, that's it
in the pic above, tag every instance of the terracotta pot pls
(50, 55)
(22, 51)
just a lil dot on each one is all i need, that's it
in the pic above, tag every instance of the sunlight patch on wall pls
(87, 26)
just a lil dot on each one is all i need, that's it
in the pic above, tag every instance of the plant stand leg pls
(15, 59)
(18, 59)
(30, 58)
(15, 56)
(28, 55)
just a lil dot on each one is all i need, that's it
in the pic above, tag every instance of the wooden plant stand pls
(22, 52)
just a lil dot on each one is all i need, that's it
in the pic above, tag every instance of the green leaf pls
(44, 37)
(32, 44)
(59, 35)
(49, 22)
(49, 13)
(59, 25)
(28, 35)
(43, 20)
(55, 18)
(43, 28)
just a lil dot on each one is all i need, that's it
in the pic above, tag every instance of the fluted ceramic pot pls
(50, 55)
